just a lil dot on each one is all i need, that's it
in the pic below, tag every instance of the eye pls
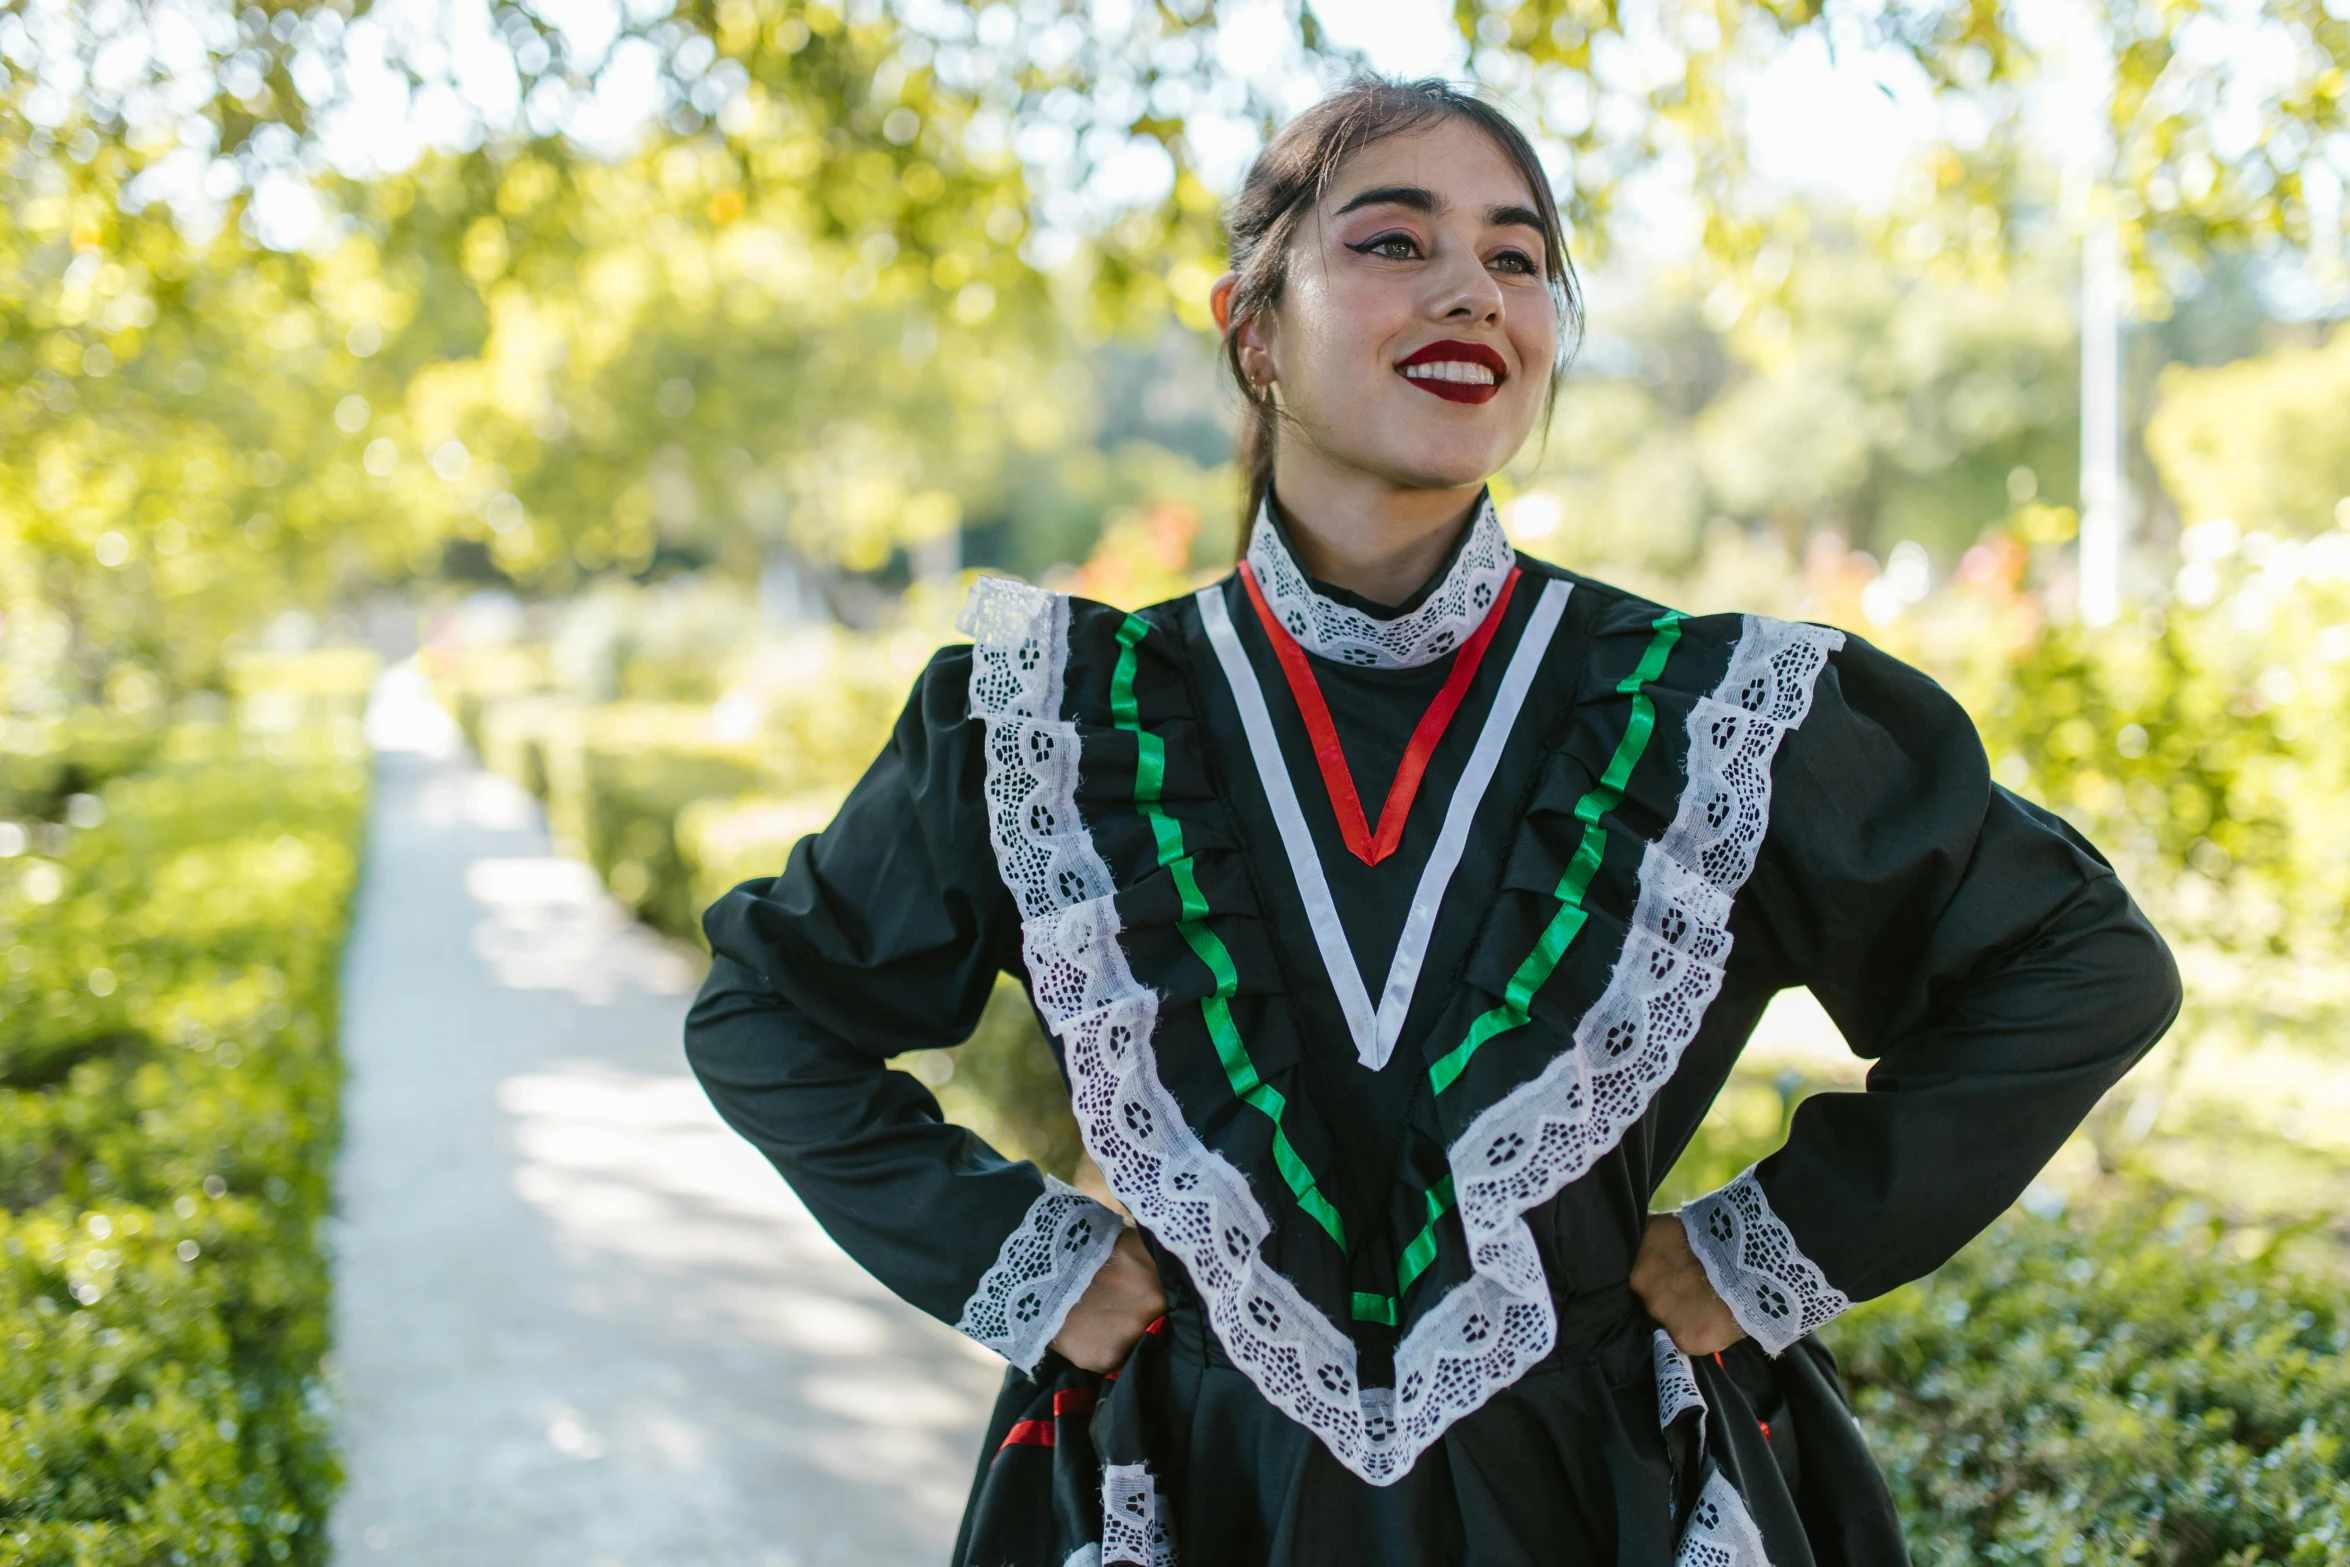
(1517, 261)
(1379, 247)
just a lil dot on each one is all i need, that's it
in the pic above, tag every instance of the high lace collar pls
(1446, 613)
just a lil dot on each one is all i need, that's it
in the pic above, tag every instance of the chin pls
(1446, 451)
(1436, 466)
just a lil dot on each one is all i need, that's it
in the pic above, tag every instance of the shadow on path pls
(578, 1321)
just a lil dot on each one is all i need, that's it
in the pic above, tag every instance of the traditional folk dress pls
(1388, 1072)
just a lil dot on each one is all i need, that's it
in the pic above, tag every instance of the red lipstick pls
(1453, 354)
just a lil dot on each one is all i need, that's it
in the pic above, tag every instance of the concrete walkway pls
(578, 1322)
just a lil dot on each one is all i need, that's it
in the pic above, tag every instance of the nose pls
(1466, 292)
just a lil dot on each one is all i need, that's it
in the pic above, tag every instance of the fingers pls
(1124, 1297)
(1673, 1285)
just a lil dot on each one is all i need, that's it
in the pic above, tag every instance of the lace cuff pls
(1044, 1265)
(1775, 1291)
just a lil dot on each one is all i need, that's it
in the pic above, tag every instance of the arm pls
(883, 934)
(1973, 944)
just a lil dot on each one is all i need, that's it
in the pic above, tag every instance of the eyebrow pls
(1421, 199)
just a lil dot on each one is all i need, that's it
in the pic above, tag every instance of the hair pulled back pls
(1291, 175)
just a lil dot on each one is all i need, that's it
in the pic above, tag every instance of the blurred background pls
(625, 391)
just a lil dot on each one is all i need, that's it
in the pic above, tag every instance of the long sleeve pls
(884, 934)
(1975, 946)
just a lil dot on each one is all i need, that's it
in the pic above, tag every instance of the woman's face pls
(1415, 336)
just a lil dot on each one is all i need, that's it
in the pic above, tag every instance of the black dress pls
(1389, 1106)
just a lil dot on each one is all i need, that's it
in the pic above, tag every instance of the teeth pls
(1451, 370)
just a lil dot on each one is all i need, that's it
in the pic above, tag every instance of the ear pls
(1220, 299)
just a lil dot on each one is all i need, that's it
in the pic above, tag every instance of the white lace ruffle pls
(1676, 1386)
(1775, 1291)
(1043, 1267)
(1484, 1334)
(1133, 1533)
(1444, 620)
(1552, 1128)
(1721, 1531)
(1192, 1199)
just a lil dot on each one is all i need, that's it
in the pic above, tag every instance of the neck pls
(1366, 534)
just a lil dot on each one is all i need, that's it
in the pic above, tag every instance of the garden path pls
(578, 1321)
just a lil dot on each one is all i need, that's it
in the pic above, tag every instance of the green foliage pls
(45, 761)
(636, 767)
(168, 1115)
(2126, 1387)
(1748, 1120)
(2259, 441)
(2200, 745)
(722, 843)
(1855, 398)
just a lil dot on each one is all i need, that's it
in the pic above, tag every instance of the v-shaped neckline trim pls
(1337, 777)
(1375, 1029)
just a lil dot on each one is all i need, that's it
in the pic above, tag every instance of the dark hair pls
(1291, 175)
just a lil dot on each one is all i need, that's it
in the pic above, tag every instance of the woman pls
(1386, 1096)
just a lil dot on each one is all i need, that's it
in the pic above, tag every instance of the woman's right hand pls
(1123, 1299)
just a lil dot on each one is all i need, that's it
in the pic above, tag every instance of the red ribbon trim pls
(1337, 780)
(1029, 1433)
(1068, 1403)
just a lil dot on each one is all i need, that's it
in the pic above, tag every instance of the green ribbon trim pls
(1531, 975)
(1150, 776)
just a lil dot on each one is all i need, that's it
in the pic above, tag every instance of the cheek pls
(1345, 327)
(1535, 336)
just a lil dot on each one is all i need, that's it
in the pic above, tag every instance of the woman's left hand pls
(1671, 1283)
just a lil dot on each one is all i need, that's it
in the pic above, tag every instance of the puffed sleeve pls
(884, 934)
(1980, 950)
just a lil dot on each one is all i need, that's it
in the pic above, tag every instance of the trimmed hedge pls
(2129, 1387)
(168, 1116)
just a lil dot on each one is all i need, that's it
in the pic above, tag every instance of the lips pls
(1448, 372)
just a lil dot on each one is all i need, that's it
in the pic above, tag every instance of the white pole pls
(2104, 502)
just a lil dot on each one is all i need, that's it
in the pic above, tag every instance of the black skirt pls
(1176, 1459)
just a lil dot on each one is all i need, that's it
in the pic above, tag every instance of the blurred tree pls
(2259, 441)
(1877, 406)
(843, 295)
(2222, 124)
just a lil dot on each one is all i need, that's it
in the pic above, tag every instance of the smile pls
(1456, 371)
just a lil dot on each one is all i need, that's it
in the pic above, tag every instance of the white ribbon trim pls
(1375, 1033)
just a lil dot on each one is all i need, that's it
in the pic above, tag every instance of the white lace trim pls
(1043, 1267)
(1775, 1291)
(1133, 1533)
(1444, 620)
(1187, 1195)
(1721, 1532)
(1085, 1556)
(1484, 1334)
(1676, 1386)
(1551, 1129)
